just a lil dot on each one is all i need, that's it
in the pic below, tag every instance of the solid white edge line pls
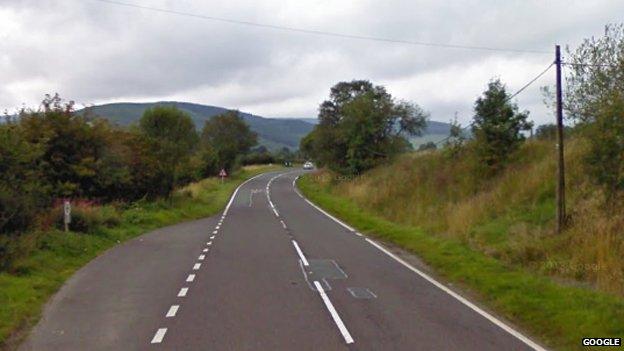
(330, 216)
(275, 211)
(300, 253)
(182, 292)
(227, 207)
(158, 337)
(461, 299)
(190, 278)
(172, 311)
(458, 297)
(343, 329)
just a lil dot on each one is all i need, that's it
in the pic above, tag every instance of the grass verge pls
(558, 315)
(25, 290)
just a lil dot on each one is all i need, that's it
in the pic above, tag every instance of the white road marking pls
(205, 250)
(215, 231)
(330, 216)
(227, 208)
(182, 292)
(209, 243)
(201, 257)
(460, 298)
(158, 337)
(283, 224)
(212, 237)
(190, 278)
(172, 311)
(343, 329)
(439, 285)
(217, 227)
(300, 253)
(196, 266)
(275, 211)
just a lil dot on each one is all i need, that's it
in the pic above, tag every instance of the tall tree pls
(595, 73)
(229, 137)
(360, 126)
(497, 126)
(595, 100)
(172, 135)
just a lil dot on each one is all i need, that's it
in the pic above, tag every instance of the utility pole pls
(560, 160)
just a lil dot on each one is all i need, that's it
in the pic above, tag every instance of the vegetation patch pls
(559, 314)
(55, 255)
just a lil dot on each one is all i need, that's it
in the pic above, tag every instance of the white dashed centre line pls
(201, 257)
(196, 266)
(212, 237)
(300, 253)
(205, 250)
(182, 292)
(158, 337)
(209, 243)
(172, 311)
(190, 278)
(343, 329)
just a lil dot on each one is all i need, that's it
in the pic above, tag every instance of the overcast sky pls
(94, 52)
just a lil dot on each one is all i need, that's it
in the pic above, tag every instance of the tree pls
(72, 147)
(229, 136)
(360, 126)
(172, 136)
(546, 131)
(497, 126)
(595, 70)
(456, 139)
(430, 145)
(595, 101)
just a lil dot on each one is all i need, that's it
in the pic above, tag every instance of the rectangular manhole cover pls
(362, 293)
(322, 271)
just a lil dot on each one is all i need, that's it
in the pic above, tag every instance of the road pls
(272, 272)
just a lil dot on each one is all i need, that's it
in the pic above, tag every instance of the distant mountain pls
(274, 133)
(308, 120)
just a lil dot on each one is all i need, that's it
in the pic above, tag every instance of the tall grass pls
(509, 217)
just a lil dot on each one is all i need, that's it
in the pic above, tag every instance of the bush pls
(87, 217)
(605, 161)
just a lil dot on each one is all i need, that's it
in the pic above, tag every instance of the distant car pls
(308, 165)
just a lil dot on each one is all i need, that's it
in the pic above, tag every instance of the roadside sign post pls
(222, 174)
(66, 214)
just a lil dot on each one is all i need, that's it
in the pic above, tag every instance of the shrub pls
(605, 161)
(87, 217)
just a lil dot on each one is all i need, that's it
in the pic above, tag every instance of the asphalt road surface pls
(272, 272)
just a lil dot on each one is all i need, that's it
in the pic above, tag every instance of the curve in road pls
(273, 272)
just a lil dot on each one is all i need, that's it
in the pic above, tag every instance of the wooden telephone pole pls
(560, 160)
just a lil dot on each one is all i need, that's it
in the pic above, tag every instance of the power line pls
(590, 64)
(319, 32)
(510, 97)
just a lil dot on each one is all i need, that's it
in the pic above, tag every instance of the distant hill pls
(274, 133)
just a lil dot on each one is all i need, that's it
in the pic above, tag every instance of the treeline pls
(54, 153)
(361, 125)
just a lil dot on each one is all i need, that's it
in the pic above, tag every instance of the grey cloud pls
(94, 52)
